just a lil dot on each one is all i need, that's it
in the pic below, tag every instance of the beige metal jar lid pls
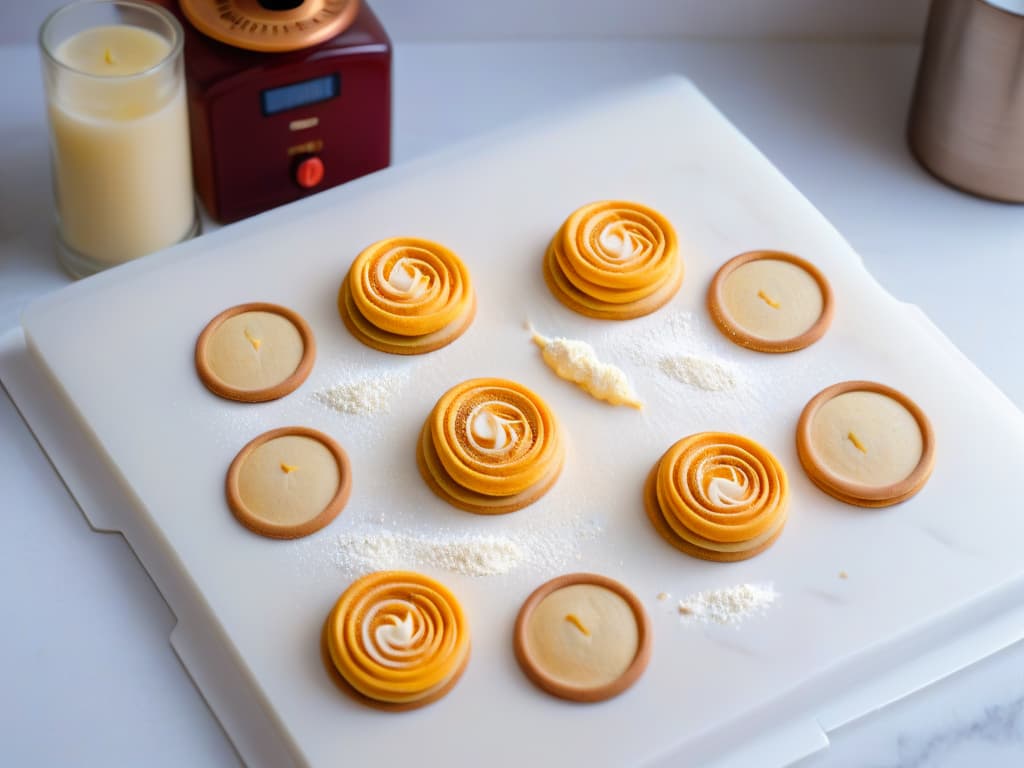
(271, 27)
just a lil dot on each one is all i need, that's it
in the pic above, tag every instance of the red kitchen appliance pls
(286, 98)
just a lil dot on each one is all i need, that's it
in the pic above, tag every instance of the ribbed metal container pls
(967, 117)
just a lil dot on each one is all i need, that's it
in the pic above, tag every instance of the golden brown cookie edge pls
(733, 332)
(858, 494)
(314, 524)
(571, 692)
(222, 389)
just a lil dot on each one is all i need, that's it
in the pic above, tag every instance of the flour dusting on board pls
(728, 606)
(542, 548)
(673, 346)
(363, 396)
(704, 373)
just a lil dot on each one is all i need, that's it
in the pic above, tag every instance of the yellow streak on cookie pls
(288, 468)
(768, 300)
(857, 443)
(252, 340)
(572, 619)
(108, 57)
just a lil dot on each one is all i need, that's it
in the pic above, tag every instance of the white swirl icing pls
(490, 433)
(396, 642)
(406, 281)
(726, 491)
(617, 241)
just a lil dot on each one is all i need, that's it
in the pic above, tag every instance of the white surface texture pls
(831, 117)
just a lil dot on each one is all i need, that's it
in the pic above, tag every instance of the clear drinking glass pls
(119, 137)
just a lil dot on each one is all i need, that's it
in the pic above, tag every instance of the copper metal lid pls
(272, 26)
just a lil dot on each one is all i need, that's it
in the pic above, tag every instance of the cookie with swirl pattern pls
(718, 496)
(396, 640)
(490, 446)
(614, 260)
(407, 296)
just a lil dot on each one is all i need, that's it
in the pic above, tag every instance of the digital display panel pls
(307, 92)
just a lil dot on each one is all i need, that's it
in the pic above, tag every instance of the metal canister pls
(967, 117)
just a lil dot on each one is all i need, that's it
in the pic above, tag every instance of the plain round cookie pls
(800, 273)
(238, 347)
(407, 296)
(592, 652)
(863, 494)
(289, 482)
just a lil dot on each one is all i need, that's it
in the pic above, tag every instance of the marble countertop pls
(88, 673)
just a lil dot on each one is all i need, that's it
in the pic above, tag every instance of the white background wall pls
(458, 20)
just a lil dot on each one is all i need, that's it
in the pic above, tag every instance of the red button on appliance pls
(309, 172)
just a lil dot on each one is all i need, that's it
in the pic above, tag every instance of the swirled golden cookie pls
(583, 637)
(289, 482)
(865, 444)
(255, 352)
(396, 640)
(490, 446)
(771, 301)
(614, 260)
(407, 296)
(717, 496)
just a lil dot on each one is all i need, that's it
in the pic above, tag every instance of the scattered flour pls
(542, 548)
(674, 346)
(364, 396)
(728, 606)
(703, 373)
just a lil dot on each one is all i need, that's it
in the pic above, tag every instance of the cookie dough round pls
(396, 640)
(718, 496)
(583, 637)
(866, 444)
(490, 446)
(289, 482)
(255, 352)
(771, 301)
(614, 260)
(407, 296)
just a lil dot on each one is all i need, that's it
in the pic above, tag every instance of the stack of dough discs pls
(717, 496)
(490, 446)
(866, 444)
(407, 296)
(614, 260)
(396, 640)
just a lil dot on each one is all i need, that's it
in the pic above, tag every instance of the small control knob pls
(309, 172)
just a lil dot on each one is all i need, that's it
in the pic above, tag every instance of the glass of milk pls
(119, 139)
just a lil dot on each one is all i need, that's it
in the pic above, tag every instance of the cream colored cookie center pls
(288, 480)
(772, 299)
(254, 350)
(583, 635)
(866, 437)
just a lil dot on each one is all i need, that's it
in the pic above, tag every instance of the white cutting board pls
(119, 348)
